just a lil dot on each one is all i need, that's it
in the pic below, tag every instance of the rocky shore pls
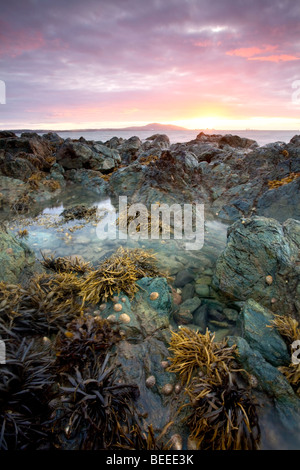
(232, 175)
(255, 190)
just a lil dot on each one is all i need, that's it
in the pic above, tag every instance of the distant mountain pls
(155, 127)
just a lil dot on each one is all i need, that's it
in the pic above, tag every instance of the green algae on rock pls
(16, 258)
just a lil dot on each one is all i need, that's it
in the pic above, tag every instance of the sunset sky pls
(223, 64)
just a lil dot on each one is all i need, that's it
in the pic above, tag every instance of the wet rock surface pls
(144, 348)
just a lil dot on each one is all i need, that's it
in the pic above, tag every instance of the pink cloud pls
(275, 58)
(14, 43)
(205, 43)
(248, 52)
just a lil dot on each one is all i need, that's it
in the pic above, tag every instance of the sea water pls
(260, 136)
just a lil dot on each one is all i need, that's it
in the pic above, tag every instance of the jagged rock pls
(129, 148)
(74, 155)
(16, 168)
(54, 138)
(273, 383)
(281, 203)
(257, 329)
(30, 143)
(237, 141)
(258, 247)
(160, 140)
(91, 180)
(5, 134)
(79, 155)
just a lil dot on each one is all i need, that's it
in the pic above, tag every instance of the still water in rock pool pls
(197, 304)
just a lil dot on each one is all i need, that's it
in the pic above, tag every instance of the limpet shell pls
(269, 280)
(150, 381)
(102, 307)
(177, 388)
(115, 299)
(192, 444)
(253, 381)
(154, 295)
(118, 307)
(124, 318)
(111, 318)
(164, 364)
(167, 389)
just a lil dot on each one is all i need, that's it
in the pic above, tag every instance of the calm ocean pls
(261, 137)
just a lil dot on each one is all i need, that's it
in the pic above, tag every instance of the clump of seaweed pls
(93, 405)
(23, 233)
(85, 336)
(274, 184)
(68, 264)
(53, 185)
(223, 413)
(35, 179)
(148, 159)
(22, 203)
(79, 212)
(137, 439)
(118, 273)
(25, 383)
(48, 302)
(10, 298)
(288, 328)
(193, 351)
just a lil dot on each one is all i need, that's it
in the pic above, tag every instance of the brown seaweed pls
(118, 273)
(223, 414)
(25, 385)
(93, 405)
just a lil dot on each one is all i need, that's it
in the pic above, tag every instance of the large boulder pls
(77, 155)
(91, 180)
(261, 261)
(74, 155)
(17, 168)
(30, 143)
(159, 140)
(281, 203)
(280, 406)
(237, 142)
(106, 158)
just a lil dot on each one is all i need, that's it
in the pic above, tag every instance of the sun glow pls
(223, 123)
